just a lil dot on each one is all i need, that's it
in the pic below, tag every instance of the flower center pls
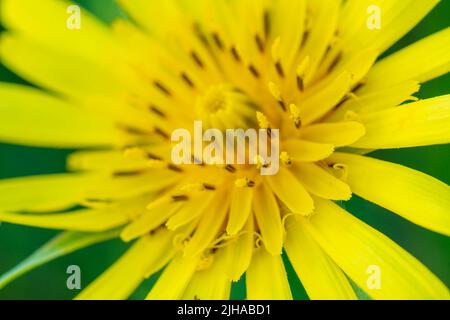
(225, 107)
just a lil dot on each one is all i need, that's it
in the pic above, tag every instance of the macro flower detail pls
(310, 70)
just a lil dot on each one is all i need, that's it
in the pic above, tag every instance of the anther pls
(175, 168)
(244, 183)
(161, 133)
(263, 122)
(295, 115)
(267, 25)
(180, 198)
(230, 168)
(217, 40)
(279, 69)
(157, 111)
(162, 88)
(254, 71)
(187, 80)
(197, 59)
(276, 93)
(235, 54)
(285, 158)
(301, 71)
(259, 43)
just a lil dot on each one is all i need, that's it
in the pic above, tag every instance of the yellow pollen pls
(275, 91)
(295, 115)
(262, 120)
(285, 158)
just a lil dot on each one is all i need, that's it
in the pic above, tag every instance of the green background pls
(49, 281)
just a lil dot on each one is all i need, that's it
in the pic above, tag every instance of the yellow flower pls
(308, 68)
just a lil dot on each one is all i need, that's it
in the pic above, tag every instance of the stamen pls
(174, 168)
(276, 93)
(161, 133)
(341, 170)
(244, 183)
(301, 71)
(209, 187)
(260, 162)
(180, 198)
(119, 174)
(267, 25)
(152, 156)
(259, 43)
(157, 111)
(186, 79)
(279, 69)
(235, 54)
(230, 168)
(217, 40)
(197, 59)
(335, 62)
(162, 88)
(295, 115)
(263, 122)
(285, 158)
(254, 71)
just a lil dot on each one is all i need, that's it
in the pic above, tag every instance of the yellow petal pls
(266, 277)
(307, 151)
(359, 249)
(397, 18)
(34, 118)
(191, 210)
(212, 283)
(288, 24)
(338, 134)
(46, 22)
(174, 280)
(208, 227)
(413, 195)
(123, 277)
(321, 277)
(124, 185)
(267, 214)
(291, 192)
(240, 209)
(322, 30)
(421, 123)
(48, 68)
(43, 193)
(320, 182)
(325, 100)
(151, 219)
(422, 61)
(85, 220)
(376, 100)
(241, 250)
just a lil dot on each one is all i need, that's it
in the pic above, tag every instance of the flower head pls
(307, 69)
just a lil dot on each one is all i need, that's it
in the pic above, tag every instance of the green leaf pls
(63, 244)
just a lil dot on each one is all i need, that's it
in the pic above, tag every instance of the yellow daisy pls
(309, 68)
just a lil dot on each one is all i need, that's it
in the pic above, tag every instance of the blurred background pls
(49, 281)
